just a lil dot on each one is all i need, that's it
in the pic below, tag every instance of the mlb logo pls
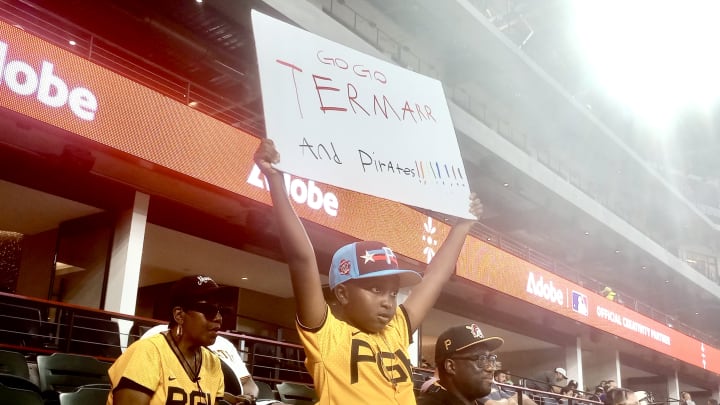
(580, 303)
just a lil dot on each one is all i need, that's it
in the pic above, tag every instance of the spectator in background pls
(568, 391)
(598, 394)
(686, 399)
(549, 381)
(497, 396)
(645, 397)
(430, 382)
(569, 388)
(620, 396)
(712, 401)
(502, 376)
(606, 386)
(608, 293)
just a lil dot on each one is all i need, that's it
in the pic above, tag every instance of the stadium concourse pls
(126, 141)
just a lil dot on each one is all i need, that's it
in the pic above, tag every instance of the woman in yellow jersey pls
(175, 366)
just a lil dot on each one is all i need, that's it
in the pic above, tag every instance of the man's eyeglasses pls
(209, 310)
(482, 360)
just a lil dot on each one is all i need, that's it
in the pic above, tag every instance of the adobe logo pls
(300, 191)
(49, 89)
(545, 290)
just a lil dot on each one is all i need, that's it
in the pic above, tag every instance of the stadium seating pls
(16, 396)
(85, 396)
(14, 363)
(63, 372)
(13, 381)
(265, 391)
(298, 394)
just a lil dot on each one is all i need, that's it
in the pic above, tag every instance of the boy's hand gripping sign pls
(348, 119)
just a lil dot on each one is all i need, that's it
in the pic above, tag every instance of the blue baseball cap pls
(368, 259)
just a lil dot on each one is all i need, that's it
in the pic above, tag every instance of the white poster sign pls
(348, 119)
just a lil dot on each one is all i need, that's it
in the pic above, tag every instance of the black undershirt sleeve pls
(132, 385)
(407, 322)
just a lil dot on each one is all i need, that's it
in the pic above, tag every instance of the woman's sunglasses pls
(209, 310)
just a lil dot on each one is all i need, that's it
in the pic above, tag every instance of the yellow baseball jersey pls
(353, 367)
(152, 364)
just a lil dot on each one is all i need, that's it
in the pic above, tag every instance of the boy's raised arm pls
(299, 252)
(438, 272)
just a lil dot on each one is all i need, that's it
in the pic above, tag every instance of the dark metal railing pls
(36, 326)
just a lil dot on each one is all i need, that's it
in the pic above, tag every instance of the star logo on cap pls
(368, 257)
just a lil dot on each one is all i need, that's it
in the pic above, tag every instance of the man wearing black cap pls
(465, 366)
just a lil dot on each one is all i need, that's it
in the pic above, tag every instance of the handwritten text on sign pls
(345, 118)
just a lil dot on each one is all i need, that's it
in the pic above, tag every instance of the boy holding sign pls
(359, 354)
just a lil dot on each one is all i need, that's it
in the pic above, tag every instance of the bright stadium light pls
(655, 56)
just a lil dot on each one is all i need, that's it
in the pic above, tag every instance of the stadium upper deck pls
(551, 174)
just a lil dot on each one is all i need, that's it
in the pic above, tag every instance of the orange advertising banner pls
(47, 83)
(490, 266)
